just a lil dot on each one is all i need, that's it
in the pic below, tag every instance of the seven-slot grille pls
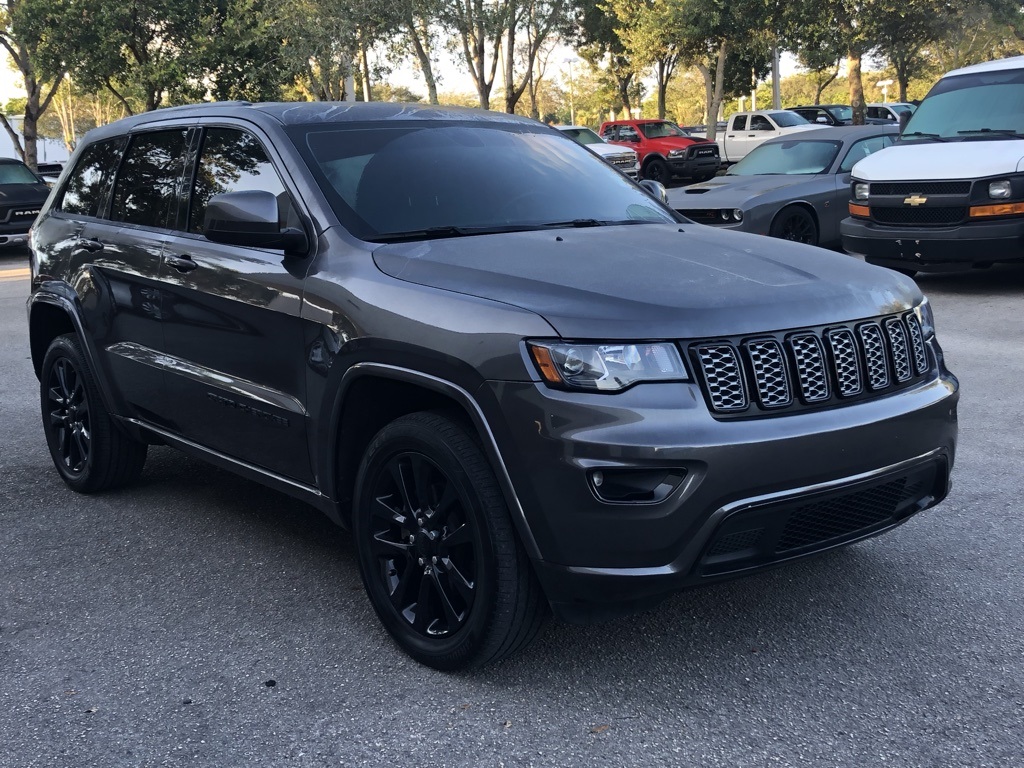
(811, 367)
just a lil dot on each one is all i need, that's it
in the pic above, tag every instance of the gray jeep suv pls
(523, 382)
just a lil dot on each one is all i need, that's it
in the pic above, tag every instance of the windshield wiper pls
(918, 134)
(583, 223)
(431, 233)
(1000, 132)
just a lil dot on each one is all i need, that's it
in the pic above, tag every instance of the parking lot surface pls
(197, 619)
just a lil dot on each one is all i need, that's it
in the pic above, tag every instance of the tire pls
(796, 224)
(89, 450)
(439, 557)
(657, 170)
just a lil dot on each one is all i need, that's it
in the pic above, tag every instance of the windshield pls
(787, 119)
(661, 130)
(841, 112)
(979, 106)
(16, 173)
(796, 157)
(582, 135)
(425, 179)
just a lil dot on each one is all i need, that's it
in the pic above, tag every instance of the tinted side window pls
(232, 161)
(862, 149)
(759, 123)
(147, 184)
(738, 123)
(89, 182)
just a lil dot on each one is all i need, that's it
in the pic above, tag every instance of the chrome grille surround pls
(787, 371)
(768, 364)
(917, 348)
(900, 349)
(845, 361)
(810, 367)
(723, 376)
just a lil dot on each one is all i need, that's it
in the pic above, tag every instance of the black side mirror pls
(250, 218)
(904, 119)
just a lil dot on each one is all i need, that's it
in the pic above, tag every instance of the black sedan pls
(793, 187)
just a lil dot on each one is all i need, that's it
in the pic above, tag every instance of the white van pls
(950, 193)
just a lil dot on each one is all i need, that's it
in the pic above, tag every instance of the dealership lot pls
(200, 620)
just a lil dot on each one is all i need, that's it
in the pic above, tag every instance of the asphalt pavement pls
(197, 619)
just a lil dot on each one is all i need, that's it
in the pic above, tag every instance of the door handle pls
(90, 245)
(181, 263)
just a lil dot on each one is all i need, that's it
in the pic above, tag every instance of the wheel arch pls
(372, 395)
(49, 317)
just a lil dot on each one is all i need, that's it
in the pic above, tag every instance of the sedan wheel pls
(796, 224)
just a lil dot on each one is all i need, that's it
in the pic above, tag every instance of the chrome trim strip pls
(504, 479)
(207, 376)
(715, 517)
(300, 489)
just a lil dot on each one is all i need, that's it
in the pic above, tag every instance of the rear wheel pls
(440, 560)
(89, 450)
(796, 224)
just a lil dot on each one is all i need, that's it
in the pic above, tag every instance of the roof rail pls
(203, 104)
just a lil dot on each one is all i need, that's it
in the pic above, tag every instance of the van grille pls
(809, 368)
(920, 188)
(924, 216)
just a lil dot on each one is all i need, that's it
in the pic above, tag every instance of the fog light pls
(999, 190)
(635, 486)
(860, 191)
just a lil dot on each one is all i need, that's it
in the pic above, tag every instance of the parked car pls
(749, 129)
(666, 151)
(521, 380)
(889, 112)
(834, 115)
(795, 187)
(49, 172)
(624, 159)
(22, 194)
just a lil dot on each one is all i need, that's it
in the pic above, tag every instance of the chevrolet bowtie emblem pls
(915, 200)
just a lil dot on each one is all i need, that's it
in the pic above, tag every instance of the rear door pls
(125, 315)
(231, 317)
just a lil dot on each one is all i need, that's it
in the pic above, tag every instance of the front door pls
(237, 369)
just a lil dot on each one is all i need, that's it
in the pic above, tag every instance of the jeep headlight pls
(926, 318)
(999, 190)
(606, 367)
(861, 191)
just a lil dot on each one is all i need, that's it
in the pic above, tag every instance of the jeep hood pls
(654, 281)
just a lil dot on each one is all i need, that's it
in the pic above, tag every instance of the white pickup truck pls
(746, 130)
(950, 194)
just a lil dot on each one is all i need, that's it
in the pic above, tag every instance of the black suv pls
(523, 381)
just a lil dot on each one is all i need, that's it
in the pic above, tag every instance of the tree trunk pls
(821, 85)
(422, 55)
(660, 72)
(624, 83)
(15, 138)
(904, 82)
(856, 87)
(364, 67)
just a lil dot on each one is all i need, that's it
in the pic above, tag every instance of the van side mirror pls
(250, 218)
(904, 119)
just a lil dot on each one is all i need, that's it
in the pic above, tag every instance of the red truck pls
(665, 149)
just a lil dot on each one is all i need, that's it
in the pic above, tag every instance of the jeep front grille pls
(809, 368)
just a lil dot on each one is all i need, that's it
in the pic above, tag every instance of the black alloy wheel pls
(88, 449)
(796, 224)
(657, 170)
(437, 550)
(69, 416)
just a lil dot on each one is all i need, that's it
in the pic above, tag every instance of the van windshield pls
(973, 107)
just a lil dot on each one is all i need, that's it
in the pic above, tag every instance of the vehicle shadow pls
(1000, 279)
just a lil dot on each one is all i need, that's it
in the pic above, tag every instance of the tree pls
(594, 37)
(649, 32)
(904, 30)
(416, 19)
(478, 28)
(539, 20)
(39, 36)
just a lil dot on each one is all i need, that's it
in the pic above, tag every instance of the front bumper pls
(934, 249)
(599, 558)
(693, 167)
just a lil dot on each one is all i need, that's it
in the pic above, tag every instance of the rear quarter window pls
(89, 182)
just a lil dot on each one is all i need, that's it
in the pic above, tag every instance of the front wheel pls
(796, 224)
(89, 450)
(657, 170)
(438, 554)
